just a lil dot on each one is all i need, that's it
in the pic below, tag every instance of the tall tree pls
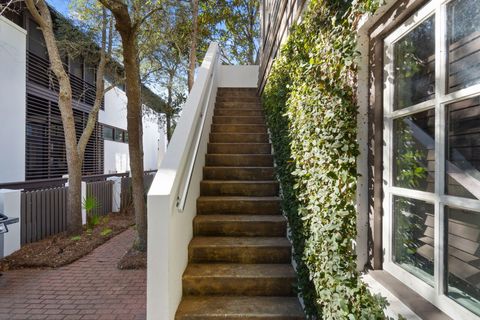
(169, 62)
(192, 60)
(240, 36)
(129, 17)
(75, 150)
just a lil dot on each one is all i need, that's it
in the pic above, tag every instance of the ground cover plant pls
(63, 249)
(311, 110)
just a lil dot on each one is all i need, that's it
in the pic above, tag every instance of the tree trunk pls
(74, 204)
(169, 112)
(135, 139)
(74, 159)
(192, 60)
(128, 33)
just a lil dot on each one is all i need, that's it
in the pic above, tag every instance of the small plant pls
(105, 220)
(90, 204)
(105, 232)
(76, 238)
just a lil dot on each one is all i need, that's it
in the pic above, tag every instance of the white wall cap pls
(13, 25)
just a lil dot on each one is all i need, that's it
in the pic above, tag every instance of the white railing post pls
(10, 205)
(116, 193)
(83, 196)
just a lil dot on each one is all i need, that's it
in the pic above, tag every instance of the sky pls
(60, 5)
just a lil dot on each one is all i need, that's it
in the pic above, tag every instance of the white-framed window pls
(431, 225)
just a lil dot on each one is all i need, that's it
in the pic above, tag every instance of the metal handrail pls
(181, 199)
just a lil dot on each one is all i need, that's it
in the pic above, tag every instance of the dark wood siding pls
(45, 142)
(277, 18)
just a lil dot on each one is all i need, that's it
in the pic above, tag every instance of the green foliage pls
(90, 204)
(105, 232)
(239, 37)
(311, 111)
(76, 238)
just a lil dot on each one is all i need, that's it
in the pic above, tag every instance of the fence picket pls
(44, 212)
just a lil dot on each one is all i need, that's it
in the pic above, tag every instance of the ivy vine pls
(311, 110)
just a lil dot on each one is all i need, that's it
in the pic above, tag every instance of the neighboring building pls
(436, 111)
(31, 131)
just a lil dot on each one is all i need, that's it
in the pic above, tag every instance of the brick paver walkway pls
(90, 288)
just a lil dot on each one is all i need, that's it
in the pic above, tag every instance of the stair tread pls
(241, 124)
(239, 116)
(239, 270)
(240, 143)
(244, 134)
(240, 154)
(237, 109)
(238, 167)
(239, 218)
(238, 198)
(224, 307)
(241, 181)
(216, 242)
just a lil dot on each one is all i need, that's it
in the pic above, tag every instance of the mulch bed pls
(61, 249)
(133, 259)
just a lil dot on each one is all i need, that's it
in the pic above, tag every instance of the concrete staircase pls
(239, 259)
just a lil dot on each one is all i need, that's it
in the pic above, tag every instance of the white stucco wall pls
(116, 157)
(12, 101)
(238, 76)
(115, 113)
(154, 142)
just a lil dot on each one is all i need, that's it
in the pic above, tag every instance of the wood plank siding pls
(277, 16)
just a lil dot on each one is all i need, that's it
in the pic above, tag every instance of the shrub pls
(310, 105)
(90, 203)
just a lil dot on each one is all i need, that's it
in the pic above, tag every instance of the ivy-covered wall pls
(311, 110)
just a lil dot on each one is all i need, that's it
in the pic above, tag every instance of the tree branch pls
(35, 13)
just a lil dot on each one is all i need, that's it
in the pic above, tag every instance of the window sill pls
(402, 299)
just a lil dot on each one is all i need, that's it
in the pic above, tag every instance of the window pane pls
(414, 66)
(108, 133)
(36, 42)
(90, 74)
(414, 151)
(119, 135)
(462, 150)
(413, 236)
(76, 67)
(464, 44)
(463, 257)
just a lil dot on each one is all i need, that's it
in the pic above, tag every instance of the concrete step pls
(239, 308)
(239, 137)
(239, 279)
(248, 105)
(238, 120)
(238, 205)
(231, 112)
(239, 148)
(239, 128)
(238, 188)
(230, 90)
(237, 98)
(239, 160)
(238, 173)
(240, 225)
(240, 250)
